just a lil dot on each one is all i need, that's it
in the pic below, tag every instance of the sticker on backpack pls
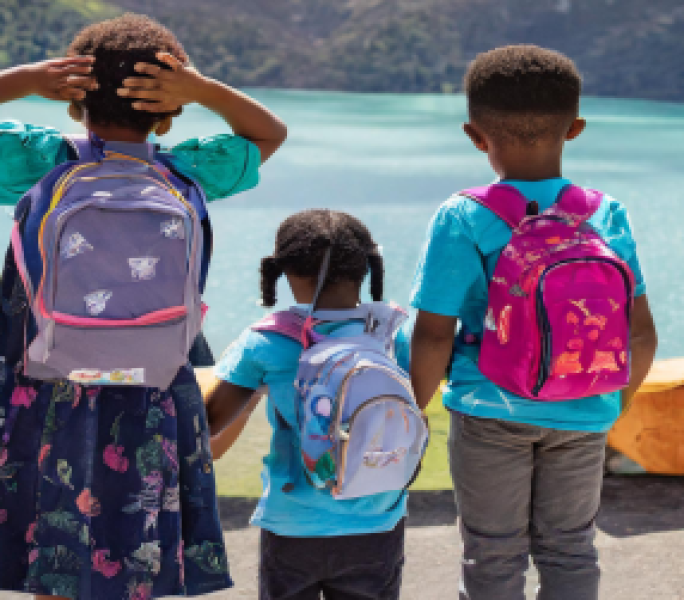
(75, 244)
(173, 229)
(115, 377)
(143, 268)
(96, 302)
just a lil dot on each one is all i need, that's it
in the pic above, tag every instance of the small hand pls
(163, 90)
(64, 79)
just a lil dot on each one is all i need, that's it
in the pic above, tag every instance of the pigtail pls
(377, 275)
(270, 272)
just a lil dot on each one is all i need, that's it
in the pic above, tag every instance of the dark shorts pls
(354, 567)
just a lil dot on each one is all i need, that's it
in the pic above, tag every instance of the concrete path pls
(641, 541)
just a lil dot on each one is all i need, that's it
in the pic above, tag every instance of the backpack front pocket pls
(384, 444)
(583, 311)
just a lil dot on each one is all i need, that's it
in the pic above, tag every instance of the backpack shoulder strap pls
(197, 194)
(576, 204)
(81, 147)
(502, 199)
(286, 322)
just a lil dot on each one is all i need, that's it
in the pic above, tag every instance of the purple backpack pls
(110, 254)
(557, 322)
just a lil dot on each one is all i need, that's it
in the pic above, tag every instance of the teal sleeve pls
(222, 164)
(613, 224)
(239, 364)
(450, 265)
(27, 154)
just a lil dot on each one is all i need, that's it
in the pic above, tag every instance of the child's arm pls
(643, 341)
(59, 79)
(223, 440)
(166, 90)
(228, 407)
(431, 347)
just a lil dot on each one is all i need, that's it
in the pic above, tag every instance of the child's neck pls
(112, 133)
(338, 299)
(342, 295)
(530, 164)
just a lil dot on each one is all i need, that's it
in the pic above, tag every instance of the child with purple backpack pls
(530, 295)
(106, 479)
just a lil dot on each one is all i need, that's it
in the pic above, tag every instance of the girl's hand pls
(166, 91)
(63, 78)
(163, 90)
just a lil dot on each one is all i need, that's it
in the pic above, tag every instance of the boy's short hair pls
(118, 44)
(523, 93)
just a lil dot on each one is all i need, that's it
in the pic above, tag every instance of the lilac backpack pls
(557, 322)
(109, 253)
(359, 428)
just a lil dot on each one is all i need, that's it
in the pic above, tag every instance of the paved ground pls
(641, 542)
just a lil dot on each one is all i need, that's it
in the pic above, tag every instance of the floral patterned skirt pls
(108, 493)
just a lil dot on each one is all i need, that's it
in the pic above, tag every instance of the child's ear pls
(476, 136)
(577, 127)
(163, 126)
(75, 111)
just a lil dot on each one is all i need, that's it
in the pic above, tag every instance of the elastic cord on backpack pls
(322, 277)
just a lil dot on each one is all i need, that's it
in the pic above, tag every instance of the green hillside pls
(35, 29)
(629, 48)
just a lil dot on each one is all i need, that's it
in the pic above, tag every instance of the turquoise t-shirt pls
(463, 244)
(222, 164)
(263, 358)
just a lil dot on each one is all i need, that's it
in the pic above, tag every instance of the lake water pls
(392, 159)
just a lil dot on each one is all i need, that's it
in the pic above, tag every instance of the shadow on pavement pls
(632, 505)
(639, 504)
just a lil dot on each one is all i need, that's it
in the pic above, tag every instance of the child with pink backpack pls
(530, 294)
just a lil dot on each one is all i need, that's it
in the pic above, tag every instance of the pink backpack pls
(557, 323)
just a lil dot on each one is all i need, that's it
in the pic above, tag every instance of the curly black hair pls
(523, 92)
(118, 44)
(301, 242)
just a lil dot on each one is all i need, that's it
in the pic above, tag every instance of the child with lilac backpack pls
(312, 544)
(108, 491)
(527, 454)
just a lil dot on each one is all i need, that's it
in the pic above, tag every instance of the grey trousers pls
(524, 490)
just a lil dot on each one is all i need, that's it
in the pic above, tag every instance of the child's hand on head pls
(162, 90)
(65, 79)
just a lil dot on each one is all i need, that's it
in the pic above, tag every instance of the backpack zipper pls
(543, 318)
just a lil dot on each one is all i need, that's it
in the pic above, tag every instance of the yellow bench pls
(651, 433)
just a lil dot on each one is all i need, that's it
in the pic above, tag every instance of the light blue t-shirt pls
(264, 358)
(463, 244)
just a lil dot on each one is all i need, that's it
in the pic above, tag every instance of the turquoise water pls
(391, 160)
